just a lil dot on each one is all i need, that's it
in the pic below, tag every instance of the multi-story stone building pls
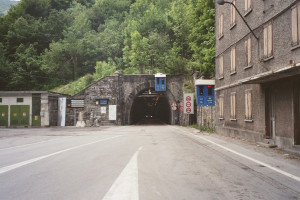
(258, 75)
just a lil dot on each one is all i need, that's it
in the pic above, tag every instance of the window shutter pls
(249, 51)
(265, 42)
(234, 113)
(298, 13)
(221, 67)
(246, 52)
(270, 40)
(233, 59)
(246, 105)
(221, 24)
(231, 108)
(250, 105)
(294, 26)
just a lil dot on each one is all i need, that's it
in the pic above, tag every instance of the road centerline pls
(20, 164)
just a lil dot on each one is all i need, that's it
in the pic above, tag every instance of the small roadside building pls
(32, 109)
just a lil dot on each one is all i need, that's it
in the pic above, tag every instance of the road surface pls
(142, 162)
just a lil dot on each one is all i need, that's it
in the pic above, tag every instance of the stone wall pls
(206, 118)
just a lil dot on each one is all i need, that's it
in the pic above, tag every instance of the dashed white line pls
(20, 164)
(126, 185)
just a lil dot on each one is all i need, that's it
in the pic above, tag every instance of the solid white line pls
(252, 159)
(247, 157)
(20, 164)
(126, 186)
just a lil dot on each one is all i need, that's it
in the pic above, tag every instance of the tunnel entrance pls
(150, 107)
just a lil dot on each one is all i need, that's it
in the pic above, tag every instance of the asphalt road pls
(141, 162)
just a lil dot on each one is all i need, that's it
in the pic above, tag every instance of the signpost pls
(188, 103)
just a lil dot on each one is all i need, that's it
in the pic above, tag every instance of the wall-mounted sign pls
(3, 114)
(77, 103)
(24, 114)
(103, 101)
(103, 110)
(112, 112)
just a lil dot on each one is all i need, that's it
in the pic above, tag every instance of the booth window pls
(209, 90)
(201, 88)
(163, 81)
(157, 81)
(20, 100)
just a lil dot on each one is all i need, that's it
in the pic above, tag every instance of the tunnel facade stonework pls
(120, 92)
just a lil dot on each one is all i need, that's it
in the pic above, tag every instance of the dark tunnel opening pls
(150, 107)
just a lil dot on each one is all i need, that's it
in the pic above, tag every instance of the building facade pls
(32, 108)
(258, 75)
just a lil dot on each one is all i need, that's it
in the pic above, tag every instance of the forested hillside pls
(47, 43)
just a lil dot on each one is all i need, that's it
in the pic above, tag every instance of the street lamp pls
(222, 2)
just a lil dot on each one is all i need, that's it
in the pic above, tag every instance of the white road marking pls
(126, 186)
(249, 158)
(20, 164)
(25, 145)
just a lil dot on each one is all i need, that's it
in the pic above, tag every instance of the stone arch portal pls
(150, 107)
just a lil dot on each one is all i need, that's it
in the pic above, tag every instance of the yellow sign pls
(15, 114)
(36, 117)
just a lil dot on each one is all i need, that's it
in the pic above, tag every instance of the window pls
(221, 107)
(248, 6)
(248, 105)
(232, 58)
(268, 41)
(221, 67)
(157, 81)
(233, 13)
(0, 100)
(248, 53)
(232, 106)
(296, 25)
(162, 81)
(221, 26)
(19, 100)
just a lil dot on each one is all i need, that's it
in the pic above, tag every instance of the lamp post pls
(222, 2)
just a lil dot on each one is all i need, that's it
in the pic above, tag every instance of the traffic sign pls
(188, 103)
(174, 105)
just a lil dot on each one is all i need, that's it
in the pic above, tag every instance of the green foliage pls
(104, 69)
(46, 43)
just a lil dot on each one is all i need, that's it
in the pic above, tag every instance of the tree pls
(202, 38)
